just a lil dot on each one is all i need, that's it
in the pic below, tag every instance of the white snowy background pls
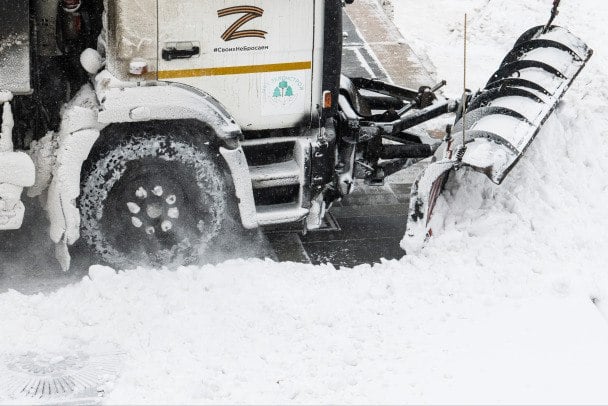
(497, 308)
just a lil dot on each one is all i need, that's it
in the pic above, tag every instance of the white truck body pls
(257, 60)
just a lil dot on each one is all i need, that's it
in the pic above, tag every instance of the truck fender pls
(167, 101)
(64, 189)
(78, 132)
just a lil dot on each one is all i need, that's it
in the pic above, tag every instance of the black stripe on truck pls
(332, 53)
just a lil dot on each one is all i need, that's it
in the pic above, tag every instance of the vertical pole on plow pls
(464, 83)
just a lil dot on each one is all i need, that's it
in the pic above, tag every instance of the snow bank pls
(548, 216)
(496, 309)
(263, 332)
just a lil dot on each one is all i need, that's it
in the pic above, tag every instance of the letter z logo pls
(250, 13)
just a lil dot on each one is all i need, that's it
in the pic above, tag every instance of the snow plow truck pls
(148, 128)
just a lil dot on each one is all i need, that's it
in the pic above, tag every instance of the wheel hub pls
(159, 210)
(154, 210)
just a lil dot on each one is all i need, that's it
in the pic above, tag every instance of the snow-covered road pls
(496, 309)
(263, 332)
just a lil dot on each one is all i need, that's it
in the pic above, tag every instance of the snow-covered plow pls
(500, 122)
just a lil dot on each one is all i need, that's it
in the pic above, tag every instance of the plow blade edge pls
(503, 119)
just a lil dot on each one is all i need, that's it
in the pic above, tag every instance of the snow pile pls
(264, 332)
(497, 308)
(551, 207)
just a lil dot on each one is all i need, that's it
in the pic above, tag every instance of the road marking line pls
(364, 63)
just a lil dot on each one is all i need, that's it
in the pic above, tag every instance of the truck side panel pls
(256, 58)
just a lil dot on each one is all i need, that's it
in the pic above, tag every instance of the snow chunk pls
(101, 273)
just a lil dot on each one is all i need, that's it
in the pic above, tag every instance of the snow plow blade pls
(502, 120)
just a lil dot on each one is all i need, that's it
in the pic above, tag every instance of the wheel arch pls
(168, 102)
(197, 133)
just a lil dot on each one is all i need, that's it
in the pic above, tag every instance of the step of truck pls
(280, 213)
(275, 175)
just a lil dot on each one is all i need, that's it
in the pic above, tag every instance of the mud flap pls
(62, 254)
(503, 119)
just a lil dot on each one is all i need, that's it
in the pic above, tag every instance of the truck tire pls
(153, 199)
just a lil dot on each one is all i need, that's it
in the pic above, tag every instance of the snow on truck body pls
(16, 169)
(157, 123)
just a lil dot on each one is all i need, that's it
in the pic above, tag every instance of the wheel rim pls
(190, 173)
(155, 210)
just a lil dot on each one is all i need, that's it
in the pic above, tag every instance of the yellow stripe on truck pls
(234, 70)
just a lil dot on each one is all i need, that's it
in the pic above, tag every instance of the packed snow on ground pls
(497, 308)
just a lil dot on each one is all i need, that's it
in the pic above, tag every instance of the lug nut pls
(158, 191)
(166, 225)
(173, 212)
(141, 193)
(133, 208)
